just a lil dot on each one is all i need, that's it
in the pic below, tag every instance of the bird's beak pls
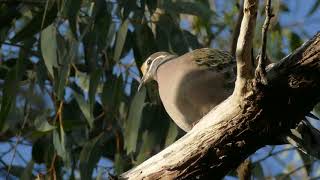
(141, 83)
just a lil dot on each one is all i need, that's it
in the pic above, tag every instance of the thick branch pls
(244, 46)
(231, 132)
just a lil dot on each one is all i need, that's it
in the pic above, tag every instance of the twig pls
(261, 68)
(274, 153)
(17, 152)
(296, 170)
(27, 110)
(236, 30)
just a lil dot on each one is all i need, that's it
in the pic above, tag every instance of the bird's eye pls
(148, 62)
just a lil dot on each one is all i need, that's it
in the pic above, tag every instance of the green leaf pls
(8, 96)
(119, 164)
(172, 134)
(60, 144)
(148, 142)
(60, 80)
(10, 88)
(8, 14)
(90, 155)
(258, 171)
(121, 39)
(316, 109)
(27, 172)
(103, 24)
(41, 124)
(15, 171)
(72, 8)
(131, 131)
(85, 108)
(295, 41)
(178, 41)
(191, 39)
(42, 74)
(83, 80)
(112, 93)
(49, 48)
(152, 5)
(34, 26)
(93, 86)
(144, 41)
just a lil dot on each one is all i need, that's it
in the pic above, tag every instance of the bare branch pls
(244, 46)
(261, 68)
(236, 30)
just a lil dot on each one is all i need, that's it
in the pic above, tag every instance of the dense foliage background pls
(68, 79)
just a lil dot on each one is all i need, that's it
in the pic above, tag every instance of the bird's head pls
(150, 66)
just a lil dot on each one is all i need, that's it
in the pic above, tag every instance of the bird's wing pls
(213, 59)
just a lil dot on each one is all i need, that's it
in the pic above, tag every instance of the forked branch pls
(244, 45)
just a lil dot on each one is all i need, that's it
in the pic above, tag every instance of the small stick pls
(262, 62)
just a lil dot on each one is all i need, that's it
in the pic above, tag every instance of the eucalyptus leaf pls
(85, 108)
(61, 77)
(41, 124)
(132, 127)
(93, 86)
(36, 25)
(148, 142)
(83, 80)
(172, 134)
(60, 145)
(295, 41)
(10, 89)
(72, 8)
(49, 48)
(89, 155)
(258, 171)
(27, 172)
(121, 39)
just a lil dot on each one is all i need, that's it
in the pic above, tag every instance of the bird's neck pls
(161, 62)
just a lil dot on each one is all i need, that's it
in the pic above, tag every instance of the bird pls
(192, 84)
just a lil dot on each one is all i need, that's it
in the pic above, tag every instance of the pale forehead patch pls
(144, 67)
(154, 57)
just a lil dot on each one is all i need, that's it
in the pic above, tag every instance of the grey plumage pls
(192, 84)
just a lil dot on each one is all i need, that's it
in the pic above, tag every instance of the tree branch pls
(235, 129)
(236, 30)
(261, 68)
(244, 46)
